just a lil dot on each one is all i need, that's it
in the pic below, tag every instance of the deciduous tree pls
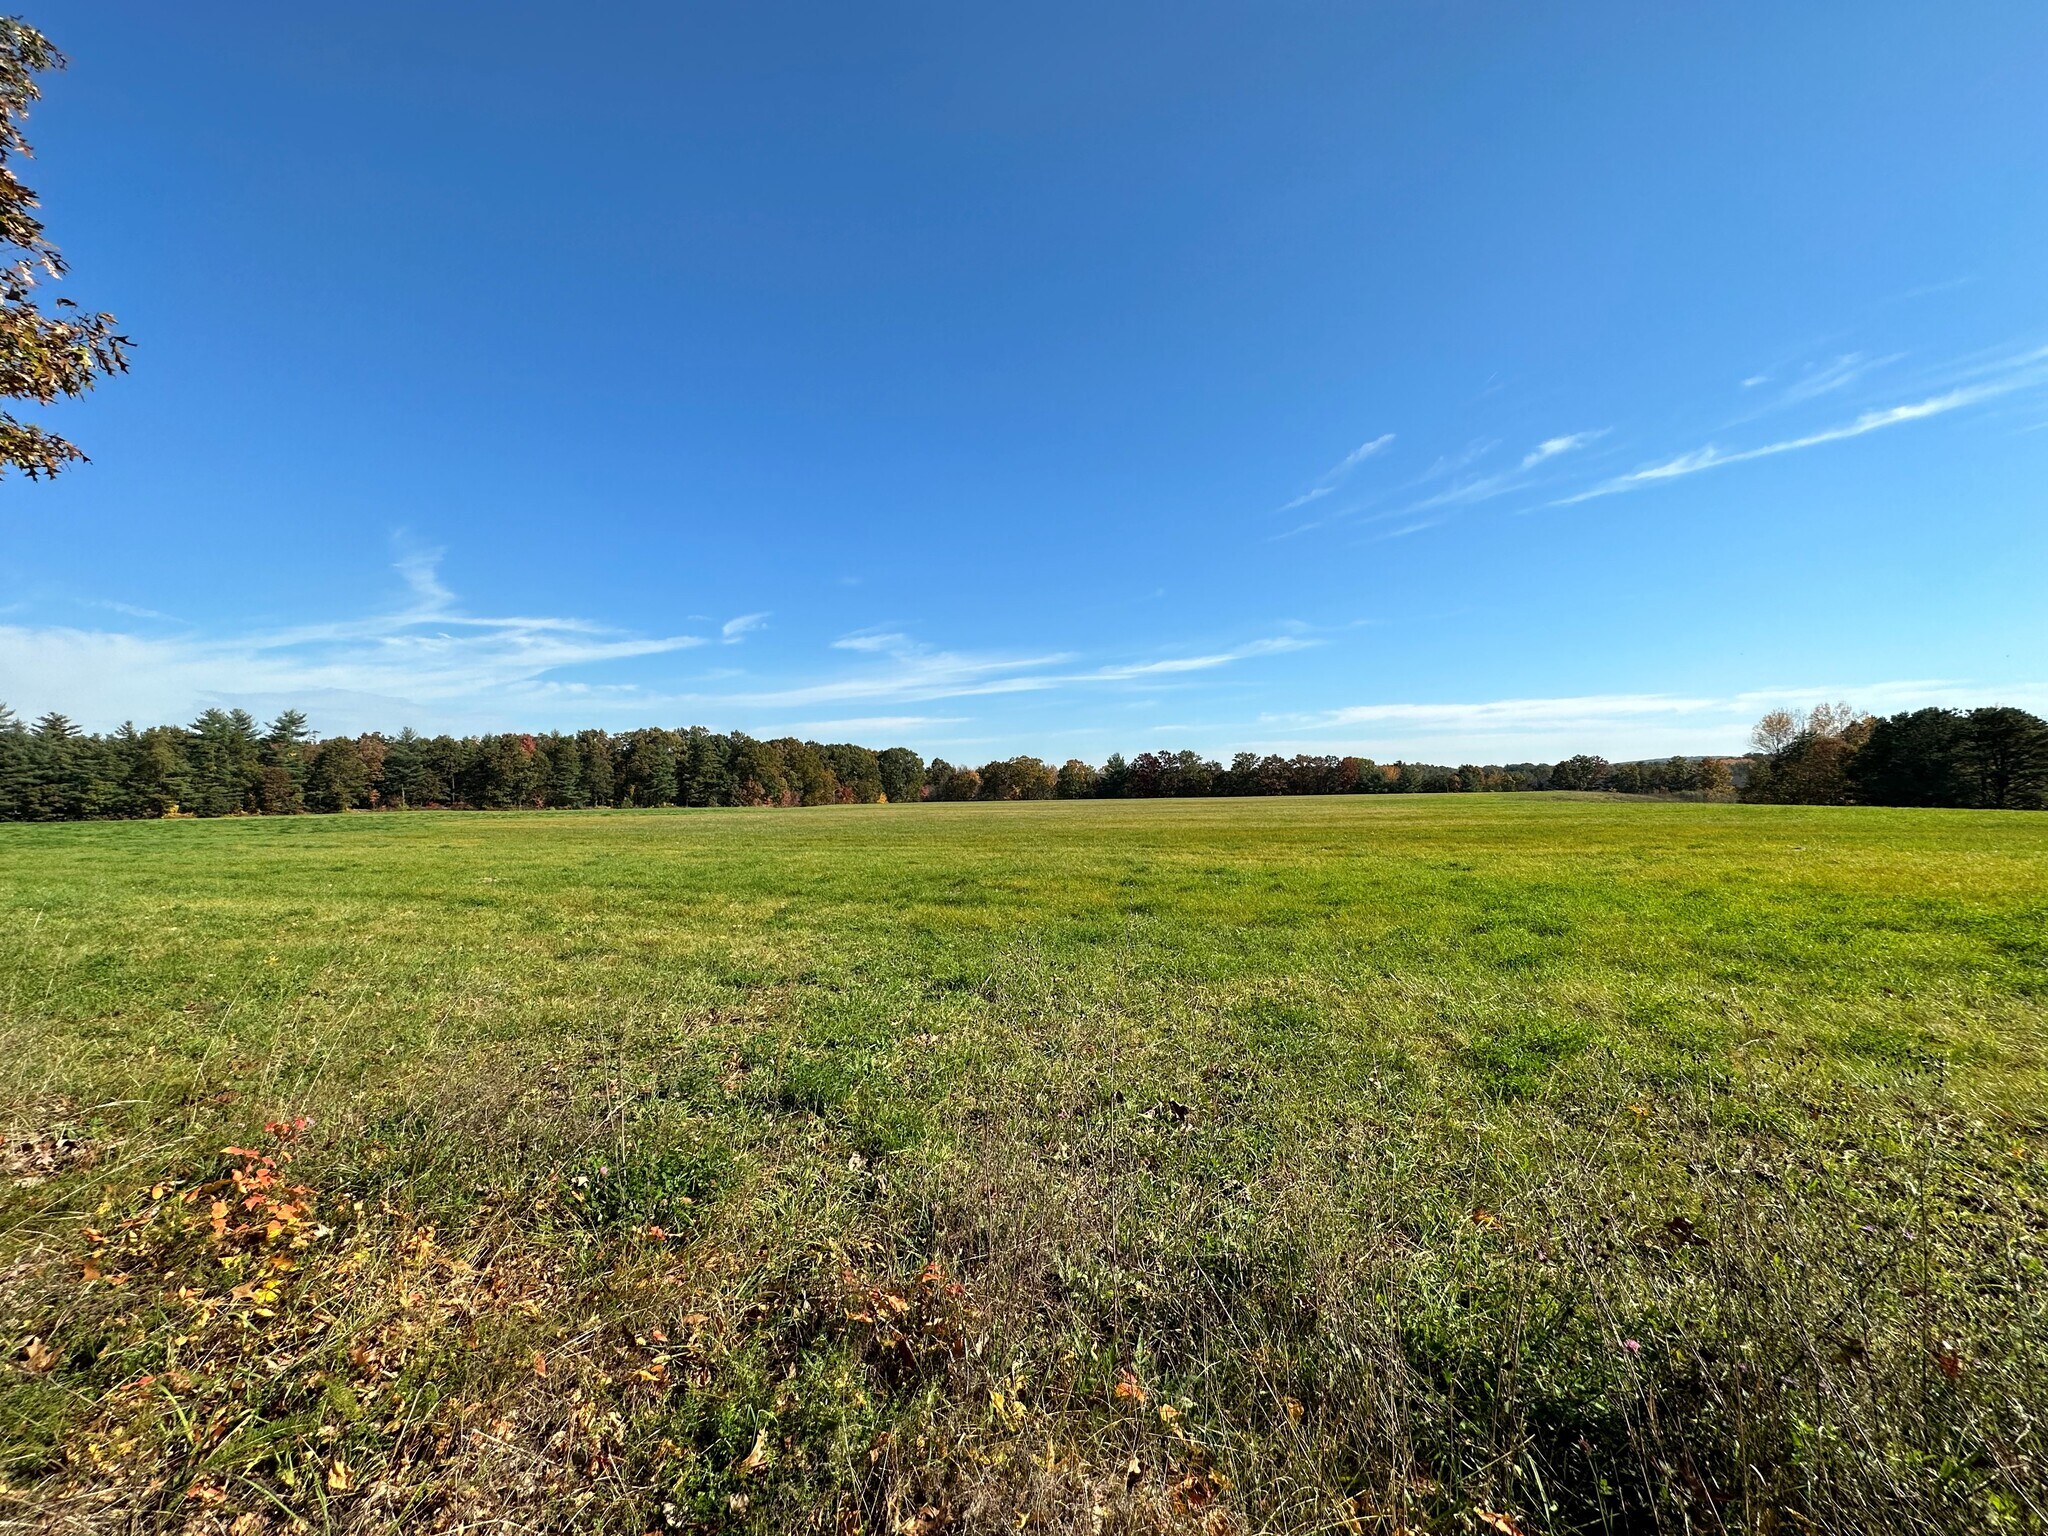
(43, 357)
(337, 780)
(902, 774)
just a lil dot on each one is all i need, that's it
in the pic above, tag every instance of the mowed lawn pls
(1439, 1163)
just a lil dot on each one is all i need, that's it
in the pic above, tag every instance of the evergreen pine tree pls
(227, 766)
(14, 766)
(150, 769)
(564, 789)
(707, 771)
(596, 747)
(405, 770)
(283, 759)
(54, 791)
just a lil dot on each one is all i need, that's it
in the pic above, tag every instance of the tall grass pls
(1515, 1166)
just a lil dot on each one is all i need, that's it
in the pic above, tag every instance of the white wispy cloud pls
(1818, 379)
(913, 673)
(428, 661)
(1336, 475)
(911, 677)
(1711, 456)
(1481, 715)
(1474, 489)
(1549, 474)
(1273, 646)
(1616, 725)
(856, 726)
(129, 610)
(1552, 447)
(421, 569)
(874, 641)
(426, 656)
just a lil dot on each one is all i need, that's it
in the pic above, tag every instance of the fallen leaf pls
(757, 1458)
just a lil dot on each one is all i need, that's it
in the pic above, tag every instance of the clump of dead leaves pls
(208, 1312)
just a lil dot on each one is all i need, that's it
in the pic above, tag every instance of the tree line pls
(226, 764)
(1993, 758)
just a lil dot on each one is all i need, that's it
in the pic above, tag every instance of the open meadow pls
(1447, 1163)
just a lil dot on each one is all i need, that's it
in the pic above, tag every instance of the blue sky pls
(1434, 380)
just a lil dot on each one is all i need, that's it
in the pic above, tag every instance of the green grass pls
(1371, 1164)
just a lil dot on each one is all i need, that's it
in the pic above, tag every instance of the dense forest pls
(1995, 758)
(226, 764)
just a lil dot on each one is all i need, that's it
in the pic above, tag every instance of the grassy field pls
(1429, 1164)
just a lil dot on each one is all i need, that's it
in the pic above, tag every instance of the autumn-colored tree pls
(855, 770)
(1075, 781)
(1016, 778)
(223, 765)
(1775, 731)
(942, 781)
(42, 356)
(1811, 766)
(757, 777)
(1581, 772)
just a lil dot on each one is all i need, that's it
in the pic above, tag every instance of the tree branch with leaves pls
(42, 356)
